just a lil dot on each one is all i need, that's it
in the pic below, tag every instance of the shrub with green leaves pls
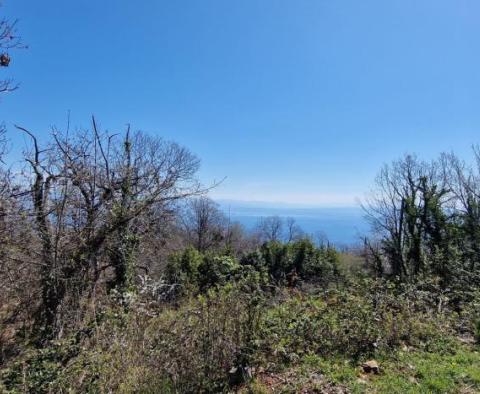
(302, 258)
(362, 320)
(217, 271)
(182, 268)
(192, 270)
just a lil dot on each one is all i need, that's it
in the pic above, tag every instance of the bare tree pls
(270, 228)
(92, 194)
(239, 240)
(205, 223)
(321, 239)
(405, 211)
(294, 232)
(464, 184)
(8, 40)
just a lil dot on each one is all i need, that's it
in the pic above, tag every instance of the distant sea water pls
(342, 226)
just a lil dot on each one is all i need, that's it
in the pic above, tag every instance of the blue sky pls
(293, 101)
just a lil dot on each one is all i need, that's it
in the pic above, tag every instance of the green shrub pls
(192, 345)
(352, 322)
(301, 257)
(38, 369)
(216, 271)
(182, 268)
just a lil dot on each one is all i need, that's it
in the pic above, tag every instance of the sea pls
(342, 226)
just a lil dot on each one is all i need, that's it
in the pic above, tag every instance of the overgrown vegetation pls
(119, 275)
(237, 335)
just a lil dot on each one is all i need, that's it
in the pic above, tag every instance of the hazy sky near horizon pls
(294, 101)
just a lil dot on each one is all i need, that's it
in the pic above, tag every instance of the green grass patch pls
(401, 372)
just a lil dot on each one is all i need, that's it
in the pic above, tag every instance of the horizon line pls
(285, 204)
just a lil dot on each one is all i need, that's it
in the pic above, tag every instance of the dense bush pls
(358, 321)
(235, 327)
(301, 258)
(273, 262)
(217, 271)
(189, 349)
